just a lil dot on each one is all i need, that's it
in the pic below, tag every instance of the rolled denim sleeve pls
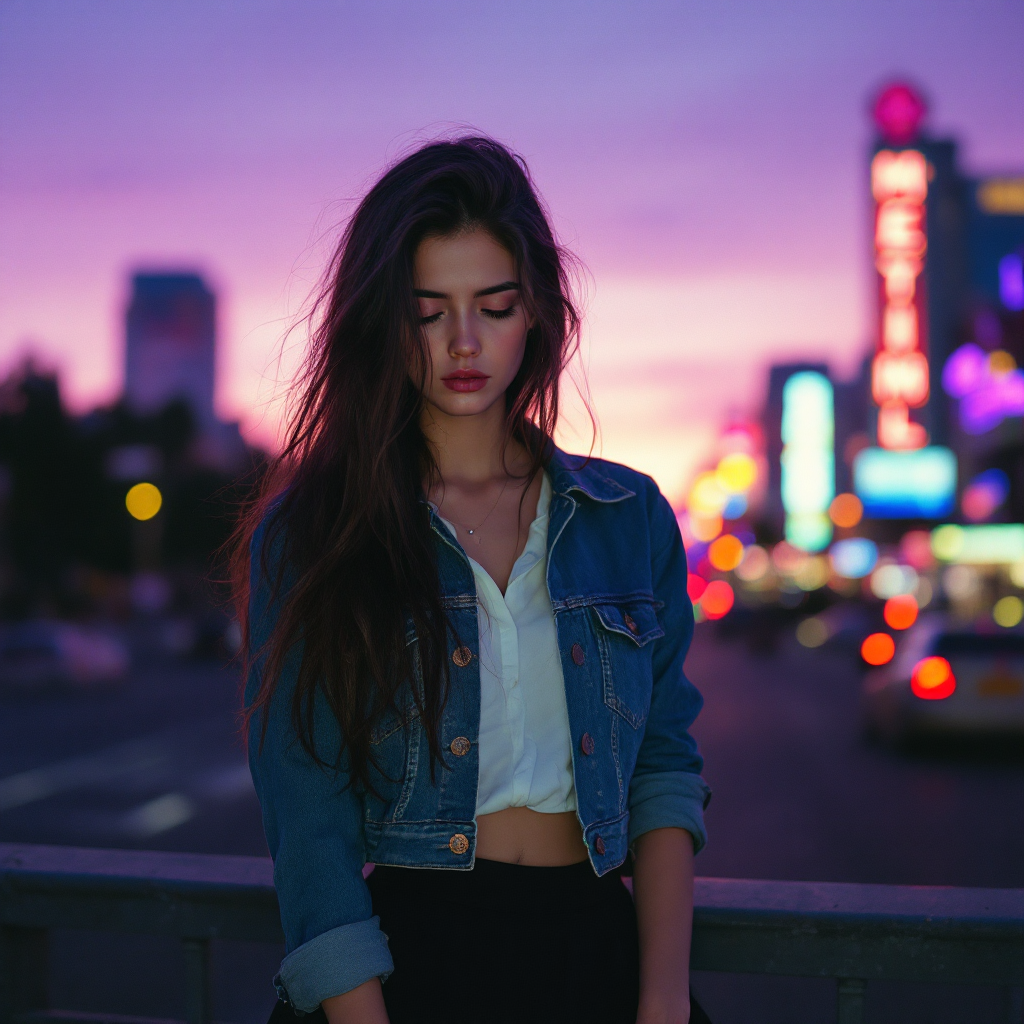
(667, 790)
(314, 826)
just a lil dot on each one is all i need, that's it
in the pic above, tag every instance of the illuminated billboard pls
(906, 485)
(808, 459)
(899, 373)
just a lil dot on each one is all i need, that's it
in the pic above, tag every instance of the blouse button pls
(462, 656)
(578, 654)
(587, 744)
(460, 746)
(598, 846)
(458, 843)
(630, 624)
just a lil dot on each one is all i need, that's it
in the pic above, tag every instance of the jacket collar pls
(580, 473)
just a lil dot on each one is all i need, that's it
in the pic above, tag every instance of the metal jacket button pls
(458, 843)
(462, 656)
(630, 624)
(587, 744)
(598, 846)
(460, 746)
(578, 655)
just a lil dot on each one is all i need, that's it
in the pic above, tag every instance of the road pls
(797, 795)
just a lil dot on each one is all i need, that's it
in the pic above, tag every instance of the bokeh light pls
(787, 558)
(932, 679)
(812, 574)
(695, 586)
(736, 473)
(1008, 611)
(878, 649)
(900, 612)
(707, 498)
(812, 632)
(854, 558)
(754, 565)
(726, 553)
(984, 494)
(846, 510)
(893, 581)
(1017, 573)
(717, 599)
(947, 541)
(143, 501)
(916, 549)
(961, 582)
(705, 527)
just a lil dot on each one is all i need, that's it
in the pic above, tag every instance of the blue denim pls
(617, 580)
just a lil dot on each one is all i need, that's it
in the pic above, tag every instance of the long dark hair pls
(343, 500)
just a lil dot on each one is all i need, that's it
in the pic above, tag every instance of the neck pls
(467, 448)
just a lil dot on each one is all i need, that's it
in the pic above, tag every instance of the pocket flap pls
(632, 618)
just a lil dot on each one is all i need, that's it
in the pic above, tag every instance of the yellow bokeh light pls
(1008, 611)
(143, 501)
(846, 510)
(705, 527)
(726, 553)
(1001, 362)
(736, 473)
(706, 496)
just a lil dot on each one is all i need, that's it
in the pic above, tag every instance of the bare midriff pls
(518, 835)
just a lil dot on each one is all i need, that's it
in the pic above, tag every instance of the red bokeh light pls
(898, 112)
(900, 612)
(695, 586)
(933, 679)
(717, 599)
(878, 649)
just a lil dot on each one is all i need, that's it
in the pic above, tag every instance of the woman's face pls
(473, 320)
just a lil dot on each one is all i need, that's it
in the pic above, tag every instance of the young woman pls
(466, 647)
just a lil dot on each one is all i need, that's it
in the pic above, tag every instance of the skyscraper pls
(170, 346)
(170, 353)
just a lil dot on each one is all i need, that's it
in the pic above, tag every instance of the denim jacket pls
(617, 580)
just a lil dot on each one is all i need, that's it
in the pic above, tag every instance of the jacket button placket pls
(460, 746)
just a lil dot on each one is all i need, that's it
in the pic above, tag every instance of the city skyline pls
(709, 169)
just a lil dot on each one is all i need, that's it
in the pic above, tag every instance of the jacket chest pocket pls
(625, 631)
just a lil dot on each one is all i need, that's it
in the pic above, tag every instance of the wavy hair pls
(342, 506)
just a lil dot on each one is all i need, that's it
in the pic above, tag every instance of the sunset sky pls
(705, 160)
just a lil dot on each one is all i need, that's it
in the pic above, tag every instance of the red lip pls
(465, 380)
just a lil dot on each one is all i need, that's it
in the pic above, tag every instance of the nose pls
(464, 344)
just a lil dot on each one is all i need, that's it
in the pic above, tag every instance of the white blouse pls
(525, 745)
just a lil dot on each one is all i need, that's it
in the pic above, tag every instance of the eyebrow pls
(505, 286)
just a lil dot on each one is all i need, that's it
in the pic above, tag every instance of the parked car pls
(944, 680)
(43, 654)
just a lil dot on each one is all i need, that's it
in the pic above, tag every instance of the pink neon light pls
(898, 112)
(896, 430)
(900, 378)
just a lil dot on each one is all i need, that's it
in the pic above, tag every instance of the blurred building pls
(170, 354)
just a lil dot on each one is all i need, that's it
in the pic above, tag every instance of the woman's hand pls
(663, 892)
(363, 1005)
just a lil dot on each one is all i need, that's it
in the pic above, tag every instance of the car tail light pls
(932, 679)
(878, 649)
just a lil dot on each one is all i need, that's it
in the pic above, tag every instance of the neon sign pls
(808, 459)
(899, 373)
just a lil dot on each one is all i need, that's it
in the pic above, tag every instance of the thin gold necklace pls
(486, 517)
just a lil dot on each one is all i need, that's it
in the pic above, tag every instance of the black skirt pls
(506, 943)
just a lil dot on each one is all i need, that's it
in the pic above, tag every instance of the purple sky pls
(705, 160)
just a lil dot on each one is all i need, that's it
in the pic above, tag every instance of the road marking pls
(80, 772)
(159, 815)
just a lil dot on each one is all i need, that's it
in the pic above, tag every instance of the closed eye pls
(499, 314)
(432, 319)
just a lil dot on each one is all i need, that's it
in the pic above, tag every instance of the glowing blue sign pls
(917, 484)
(808, 459)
